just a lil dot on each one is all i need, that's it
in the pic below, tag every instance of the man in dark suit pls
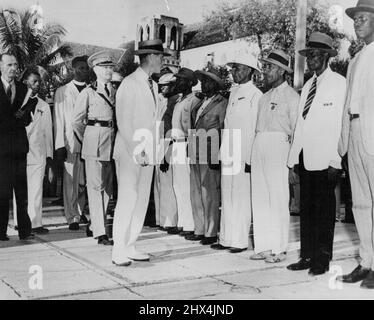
(207, 122)
(15, 109)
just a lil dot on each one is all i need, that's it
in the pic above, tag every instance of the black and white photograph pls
(195, 153)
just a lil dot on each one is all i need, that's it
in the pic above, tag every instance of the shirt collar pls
(283, 85)
(322, 75)
(6, 83)
(143, 74)
(78, 83)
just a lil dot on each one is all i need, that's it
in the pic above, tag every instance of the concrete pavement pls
(67, 265)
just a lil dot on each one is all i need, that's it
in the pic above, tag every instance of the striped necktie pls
(311, 95)
(150, 82)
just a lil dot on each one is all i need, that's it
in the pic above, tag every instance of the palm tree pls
(34, 46)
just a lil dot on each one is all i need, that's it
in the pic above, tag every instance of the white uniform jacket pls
(136, 113)
(40, 135)
(65, 98)
(360, 99)
(318, 134)
(97, 141)
(241, 113)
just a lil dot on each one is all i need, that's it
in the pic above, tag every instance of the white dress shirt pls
(12, 85)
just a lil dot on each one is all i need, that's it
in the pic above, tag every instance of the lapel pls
(73, 91)
(20, 95)
(3, 97)
(146, 89)
(209, 107)
(194, 113)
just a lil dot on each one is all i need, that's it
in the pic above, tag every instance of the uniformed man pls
(314, 153)
(40, 136)
(240, 124)
(181, 123)
(68, 147)
(276, 121)
(165, 200)
(136, 112)
(207, 122)
(93, 123)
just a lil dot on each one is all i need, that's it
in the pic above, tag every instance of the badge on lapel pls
(327, 104)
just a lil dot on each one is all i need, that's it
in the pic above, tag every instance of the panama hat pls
(167, 79)
(279, 58)
(322, 41)
(151, 46)
(247, 59)
(212, 74)
(362, 5)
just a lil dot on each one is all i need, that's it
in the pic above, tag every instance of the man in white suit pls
(67, 145)
(241, 117)
(136, 113)
(357, 138)
(40, 136)
(314, 153)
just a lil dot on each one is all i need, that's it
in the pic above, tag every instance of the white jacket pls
(65, 98)
(136, 113)
(40, 135)
(241, 113)
(318, 134)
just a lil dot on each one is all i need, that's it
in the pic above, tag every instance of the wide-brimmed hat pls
(167, 79)
(321, 41)
(101, 58)
(212, 74)
(362, 5)
(187, 74)
(245, 58)
(151, 46)
(279, 58)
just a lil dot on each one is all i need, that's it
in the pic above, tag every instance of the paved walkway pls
(67, 265)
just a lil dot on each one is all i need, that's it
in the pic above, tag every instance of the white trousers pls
(165, 200)
(236, 209)
(361, 174)
(181, 185)
(74, 186)
(99, 191)
(35, 177)
(134, 186)
(270, 192)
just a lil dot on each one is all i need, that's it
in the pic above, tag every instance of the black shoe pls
(186, 233)
(89, 233)
(358, 274)
(208, 240)
(161, 228)
(174, 230)
(29, 236)
(194, 237)
(4, 237)
(368, 282)
(40, 230)
(104, 240)
(218, 246)
(16, 228)
(237, 250)
(315, 271)
(302, 264)
(83, 219)
(74, 226)
(294, 213)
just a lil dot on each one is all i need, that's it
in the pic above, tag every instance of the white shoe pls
(138, 256)
(123, 263)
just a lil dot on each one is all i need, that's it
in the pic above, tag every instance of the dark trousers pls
(317, 215)
(14, 176)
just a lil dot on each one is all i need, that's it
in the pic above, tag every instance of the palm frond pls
(62, 52)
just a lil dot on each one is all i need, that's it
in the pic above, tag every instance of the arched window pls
(173, 38)
(148, 32)
(162, 33)
(141, 33)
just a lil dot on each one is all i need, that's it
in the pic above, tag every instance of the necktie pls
(150, 82)
(311, 95)
(9, 92)
(107, 90)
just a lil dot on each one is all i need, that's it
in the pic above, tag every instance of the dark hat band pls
(318, 45)
(278, 58)
(156, 47)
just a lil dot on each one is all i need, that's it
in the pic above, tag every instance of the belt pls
(100, 123)
(182, 139)
(353, 116)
